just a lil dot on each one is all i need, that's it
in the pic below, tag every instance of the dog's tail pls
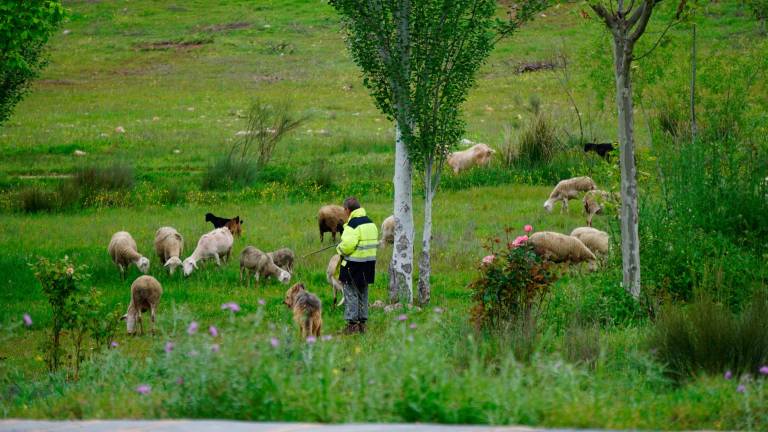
(312, 306)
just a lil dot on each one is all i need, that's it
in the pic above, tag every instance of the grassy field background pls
(181, 108)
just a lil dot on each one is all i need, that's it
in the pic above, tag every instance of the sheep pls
(122, 248)
(561, 248)
(145, 295)
(595, 201)
(216, 244)
(594, 239)
(388, 231)
(283, 258)
(254, 261)
(568, 190)
(330, 275)
(169, 245)
(331, 218)
(479, 154)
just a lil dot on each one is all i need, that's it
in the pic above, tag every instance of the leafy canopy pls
(25, 27)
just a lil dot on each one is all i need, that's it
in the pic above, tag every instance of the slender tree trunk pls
(401, 267)
(630, 241)
(693, 84)
(425, 260)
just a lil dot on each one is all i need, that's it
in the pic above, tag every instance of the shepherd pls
(357, 268)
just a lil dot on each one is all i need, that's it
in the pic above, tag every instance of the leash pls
(320, 250)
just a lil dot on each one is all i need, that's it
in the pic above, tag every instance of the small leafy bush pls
(320, 173)
(118, 176)
(706, 336)
(581, 344)
(230, 173)
(35, 199)
(512, 282)
(538, 141)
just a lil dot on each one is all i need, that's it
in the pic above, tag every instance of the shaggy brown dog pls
(307, 311)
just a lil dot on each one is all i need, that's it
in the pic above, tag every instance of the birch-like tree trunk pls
(425, 259)
(401, 266)
(630, 244)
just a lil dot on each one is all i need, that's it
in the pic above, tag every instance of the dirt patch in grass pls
(536, 65)
(216, 28)
(174, 44)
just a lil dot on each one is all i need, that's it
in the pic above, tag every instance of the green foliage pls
(706, 336)
(538, 141)
(759, 9)
(581, 344)
(89, 179)
(35, 199)
(320, 173)
(60, 281)
(267, 126)
(25, 27)
(513, 281)
(229, 173)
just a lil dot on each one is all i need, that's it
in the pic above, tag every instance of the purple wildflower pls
(143, 389)
(311, 340)
(275, 342)
(327, 337)
(114, 344)
(413, 326)
(438, 310)
(215, 348)
(180, 380)
(764, 370)
(168, 347)
(27, 319)
(728, 375)
(213, 331)
(402, 317)
(192, 329)
(741, 388)
(231, 306)
(262, 302)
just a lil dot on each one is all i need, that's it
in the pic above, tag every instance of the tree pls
(25, 27)
(627, 23)
(419, 60)
(759, 9)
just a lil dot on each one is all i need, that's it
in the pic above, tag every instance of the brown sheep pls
(331, 218)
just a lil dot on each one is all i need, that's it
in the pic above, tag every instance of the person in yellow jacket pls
(357, 248)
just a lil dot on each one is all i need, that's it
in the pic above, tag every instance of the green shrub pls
(35, 199)
(581, 344)
(320, 173)
(513, 281)
(230, 173)
(118, 176)
(538, 141)
(706, 336)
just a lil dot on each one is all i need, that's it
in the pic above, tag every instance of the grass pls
(178, 78)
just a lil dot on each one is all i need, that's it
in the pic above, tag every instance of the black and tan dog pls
(307, 310)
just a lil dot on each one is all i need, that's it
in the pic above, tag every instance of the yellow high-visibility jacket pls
(359, 241)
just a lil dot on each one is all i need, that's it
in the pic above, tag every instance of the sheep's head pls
(130, 320)
(172, 263)
(188, 266)
(548, 204)
(283, 276)
(143, 264)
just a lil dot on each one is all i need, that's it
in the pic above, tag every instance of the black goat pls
(601, 149)
(219, 222)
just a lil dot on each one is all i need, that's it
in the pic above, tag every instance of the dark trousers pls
(355, 302)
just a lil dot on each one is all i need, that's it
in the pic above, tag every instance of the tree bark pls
(630, 241)
(425, 260)
(401, 266)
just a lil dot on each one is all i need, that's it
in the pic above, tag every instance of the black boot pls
(350, 329)
(361, 327)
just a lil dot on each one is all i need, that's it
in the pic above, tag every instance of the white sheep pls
(145, 295)
(169, 245)
(479, 154)
(258, 263)
(595, 201)
(216, 244)
(283, 258)
(567, 190)
(388, 231)
(561, 248)
(597, 241)
(122, 248)
(330, 275)
(331, 218)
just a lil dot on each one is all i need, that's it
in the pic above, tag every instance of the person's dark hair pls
(351, 204)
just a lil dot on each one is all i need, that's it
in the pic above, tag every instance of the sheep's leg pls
(333, 236)
(141, 323)
(321, 235)
(122, 271)
(564, 208)
(152, 314)
(218, 260)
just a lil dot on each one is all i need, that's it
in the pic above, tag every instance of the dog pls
(602, 149)
(234, 224)
(307, 310)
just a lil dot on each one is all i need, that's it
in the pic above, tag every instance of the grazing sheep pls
(567, 190)
(330, 275)
(216, 244)
(595, 201)
(479, 154)
(283, 258)
(594, 239)
(122, 248)
(331, 218)
(145, 295)
(388, 231)
(560, 248)
(169, 245)
(602, 149)
(258, 263)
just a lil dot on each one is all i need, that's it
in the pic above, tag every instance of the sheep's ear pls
(167, 263)
(124, 317)
(194, 264)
